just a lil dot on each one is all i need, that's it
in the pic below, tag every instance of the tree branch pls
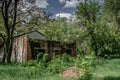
(10, 1)
(2, 9)
(1, 35)
(15, 17)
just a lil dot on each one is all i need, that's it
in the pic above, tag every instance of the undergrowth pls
(42, 68)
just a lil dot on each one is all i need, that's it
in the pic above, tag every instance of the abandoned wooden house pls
(28, 46)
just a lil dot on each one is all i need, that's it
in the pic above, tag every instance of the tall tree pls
(112, 8)
(88, 12)
(102, 25)
(1, 30)
(62, 31)
(9, 14)
(16, 12)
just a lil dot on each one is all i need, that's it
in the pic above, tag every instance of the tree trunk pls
(8, 50)
(3, 59)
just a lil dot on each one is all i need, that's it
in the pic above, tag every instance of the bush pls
(58, 64)
(86, 75)
(29, 63)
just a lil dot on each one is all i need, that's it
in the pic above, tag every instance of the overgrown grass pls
(40, 70)
(18, 72)
(106, 69)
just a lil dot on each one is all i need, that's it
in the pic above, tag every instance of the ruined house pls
(28, 46)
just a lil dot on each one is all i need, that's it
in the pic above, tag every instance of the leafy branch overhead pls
(14, 14)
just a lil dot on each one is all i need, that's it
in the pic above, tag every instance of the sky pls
(62, 8)
(58, 8)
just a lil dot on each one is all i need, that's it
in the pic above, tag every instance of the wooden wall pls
(21, 49)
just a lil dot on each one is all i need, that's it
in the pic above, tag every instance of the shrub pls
(29, 63)
(58, 64)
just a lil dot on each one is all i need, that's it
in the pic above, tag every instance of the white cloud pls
(31, 3)
(42, 3)
(66, 15)
(62, 1)
(72, 3)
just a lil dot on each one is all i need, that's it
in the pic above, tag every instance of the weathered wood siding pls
(21, 49)
(27, 46)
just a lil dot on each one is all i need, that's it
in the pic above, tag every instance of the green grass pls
(24, 73)
(101, 69)
(106, 69)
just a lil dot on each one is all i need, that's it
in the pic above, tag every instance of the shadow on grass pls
(111, 78)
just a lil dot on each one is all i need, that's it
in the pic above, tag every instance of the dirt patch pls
(100, 76)
(72, 72)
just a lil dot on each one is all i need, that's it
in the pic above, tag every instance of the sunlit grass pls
(102, 70)
(24, 73)
(107, 70)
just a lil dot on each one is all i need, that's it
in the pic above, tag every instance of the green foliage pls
(88, 10)
(58, 64)
(112, 6)
(29, 63)
(86, 75)
(107, 41)
(104, 70)
(61, 31)
(102, 30)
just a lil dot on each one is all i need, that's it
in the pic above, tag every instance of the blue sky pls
(55, 6)
(63, 8)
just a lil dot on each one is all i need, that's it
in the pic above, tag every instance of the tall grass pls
(41, 70)
(107, 69)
